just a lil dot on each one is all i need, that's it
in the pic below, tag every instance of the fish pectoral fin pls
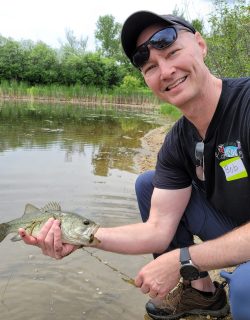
(16, 238)
(30, 209)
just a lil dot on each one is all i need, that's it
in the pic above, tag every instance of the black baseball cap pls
(139, 21)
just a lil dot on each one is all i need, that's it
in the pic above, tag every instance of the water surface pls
(86, 164)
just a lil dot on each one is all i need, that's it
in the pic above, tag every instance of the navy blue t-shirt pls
(225, 158)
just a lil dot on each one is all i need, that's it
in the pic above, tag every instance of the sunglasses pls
(159, 40)
(199, 157)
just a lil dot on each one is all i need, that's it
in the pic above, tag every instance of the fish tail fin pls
(4, 230)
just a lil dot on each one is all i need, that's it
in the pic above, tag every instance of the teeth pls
(176, 83)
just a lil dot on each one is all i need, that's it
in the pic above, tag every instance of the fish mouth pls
(92, 233)
(94, 229)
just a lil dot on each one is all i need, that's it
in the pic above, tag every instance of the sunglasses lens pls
(199, 151)
(160, 40)
(163, 38)
(141, 56)
(199, 156)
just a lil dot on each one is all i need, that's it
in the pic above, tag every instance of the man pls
(201, 184)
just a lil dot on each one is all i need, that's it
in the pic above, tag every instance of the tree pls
(12, 59)
(42, 65)
(90, 69)
(112, 73)
(198, 25)
(228, 41)
(107, 35)
(73, 45)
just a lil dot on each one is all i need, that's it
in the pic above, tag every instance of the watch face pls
(189, 272)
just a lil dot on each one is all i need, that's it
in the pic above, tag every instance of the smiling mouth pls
(176, 83)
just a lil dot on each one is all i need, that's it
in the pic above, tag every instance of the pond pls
(81, 158)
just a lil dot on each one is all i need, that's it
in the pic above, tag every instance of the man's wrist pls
(188, 270)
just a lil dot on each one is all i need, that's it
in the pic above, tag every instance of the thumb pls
(26, 237)
(138, 281)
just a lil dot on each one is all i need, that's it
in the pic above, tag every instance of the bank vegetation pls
(36, 71)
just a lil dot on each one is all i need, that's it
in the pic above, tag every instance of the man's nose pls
(166, 68)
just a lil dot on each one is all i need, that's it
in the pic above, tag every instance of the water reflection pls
(84, 160)
(112, 137)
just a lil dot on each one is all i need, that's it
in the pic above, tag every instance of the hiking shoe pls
(185, 300)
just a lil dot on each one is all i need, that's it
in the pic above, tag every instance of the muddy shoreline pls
(150, 145)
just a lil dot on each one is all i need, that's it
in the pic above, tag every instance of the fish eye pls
(86, 222)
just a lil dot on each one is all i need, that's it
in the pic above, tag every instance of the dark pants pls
(202, 220)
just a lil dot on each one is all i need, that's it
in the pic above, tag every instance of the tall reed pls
(77, 94)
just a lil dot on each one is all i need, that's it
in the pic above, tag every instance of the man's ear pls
(201, 43)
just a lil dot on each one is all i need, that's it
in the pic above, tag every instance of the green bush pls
(170, 110)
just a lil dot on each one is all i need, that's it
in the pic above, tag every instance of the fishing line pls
(5, 289)
(127, 278)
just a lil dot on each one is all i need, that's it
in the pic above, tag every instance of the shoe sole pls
(217, 313)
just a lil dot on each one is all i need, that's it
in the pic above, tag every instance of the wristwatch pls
(188, 270)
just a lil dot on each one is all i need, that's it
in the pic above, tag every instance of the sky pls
(47, 20)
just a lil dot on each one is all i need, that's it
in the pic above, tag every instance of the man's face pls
(175, 74)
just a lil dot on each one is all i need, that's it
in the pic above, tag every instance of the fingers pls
(27, 238)
(153, 294)
(138, 281)
(153, 289)
(150, 290)
(58, 245)
(45, 237)
(49, 239)
(145, 288)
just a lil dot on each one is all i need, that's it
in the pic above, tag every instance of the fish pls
(76, 229)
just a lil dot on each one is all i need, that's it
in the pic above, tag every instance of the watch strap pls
(203, 274)
(184, 255)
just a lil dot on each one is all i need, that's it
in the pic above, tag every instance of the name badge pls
(234, 169)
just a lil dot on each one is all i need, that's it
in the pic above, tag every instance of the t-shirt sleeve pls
(170, 167)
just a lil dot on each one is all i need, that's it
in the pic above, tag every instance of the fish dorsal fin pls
(30, 209)
(51, 206)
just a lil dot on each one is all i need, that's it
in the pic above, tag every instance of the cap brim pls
(140, 20)
(134, 25)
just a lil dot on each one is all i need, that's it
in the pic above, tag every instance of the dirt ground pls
(146, 160)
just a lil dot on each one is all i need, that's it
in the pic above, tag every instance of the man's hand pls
(160, 276)
(49, 240)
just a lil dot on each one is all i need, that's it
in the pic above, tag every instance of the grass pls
(77, 93)
(84, 96)
(170, 110)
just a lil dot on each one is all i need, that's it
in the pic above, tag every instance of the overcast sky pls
(47, 20)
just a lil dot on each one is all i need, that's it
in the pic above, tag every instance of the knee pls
(144, 189)
(239, 288)
(144, 182)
